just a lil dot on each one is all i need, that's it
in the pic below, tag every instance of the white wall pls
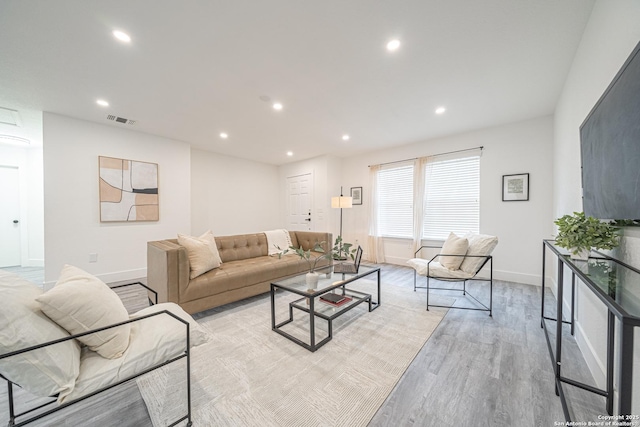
(72, 217)
(233, 196)
(610, 36)
(524, 147)
(29, 164)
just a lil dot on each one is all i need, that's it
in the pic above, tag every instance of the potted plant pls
(342, 249)
(312, 276)
(579, 233)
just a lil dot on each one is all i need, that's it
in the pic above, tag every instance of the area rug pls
(248, 375)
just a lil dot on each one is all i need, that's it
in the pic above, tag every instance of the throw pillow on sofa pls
(202, 252)
(80, 302)
(44, 372)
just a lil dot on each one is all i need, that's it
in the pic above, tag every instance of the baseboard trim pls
(35, 263)
(596, 366)
(512, 276)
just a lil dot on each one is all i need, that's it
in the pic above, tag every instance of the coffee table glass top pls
(327, 280)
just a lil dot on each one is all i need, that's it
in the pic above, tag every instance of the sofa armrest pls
(308, 240)
(167, 269)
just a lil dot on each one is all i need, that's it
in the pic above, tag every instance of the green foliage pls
(312, 261)
(577, 232)
(340, 248)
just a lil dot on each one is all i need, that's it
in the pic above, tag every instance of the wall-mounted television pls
(610, 148)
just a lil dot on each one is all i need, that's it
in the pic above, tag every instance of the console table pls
(617, 286)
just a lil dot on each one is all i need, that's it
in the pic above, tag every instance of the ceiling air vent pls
(9, 116)
(121, 120)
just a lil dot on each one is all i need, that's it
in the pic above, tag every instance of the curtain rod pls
(433, 155)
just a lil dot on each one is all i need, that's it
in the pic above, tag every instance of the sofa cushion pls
(201, 254)
(43, 372)
(80, 302)
(242, 246)
(237, 274)
(153, 340)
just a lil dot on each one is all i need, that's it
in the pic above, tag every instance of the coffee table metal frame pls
(301, 304)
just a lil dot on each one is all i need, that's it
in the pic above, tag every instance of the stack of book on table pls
(335, 299)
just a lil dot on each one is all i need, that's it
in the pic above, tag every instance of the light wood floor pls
(475, 370)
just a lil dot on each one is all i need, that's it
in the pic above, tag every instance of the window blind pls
(395, 201)
(452, 198)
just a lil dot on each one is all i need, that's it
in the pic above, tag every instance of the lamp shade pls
(340, 202)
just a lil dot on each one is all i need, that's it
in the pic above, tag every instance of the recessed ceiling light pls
(345, 137)
(289, 153)
(277, 106)
(102, 103)
(122, 36)
(393, 45)
(440, 110)
(223, 135)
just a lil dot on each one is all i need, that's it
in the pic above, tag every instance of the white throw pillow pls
(197, 335)
(44, 372)
(208, 237)
(200, 253)
(454, 245)
(479, 244)
(80, 302)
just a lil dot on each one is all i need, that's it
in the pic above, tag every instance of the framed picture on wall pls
(128, 190)
(515, 188)
(356, 195)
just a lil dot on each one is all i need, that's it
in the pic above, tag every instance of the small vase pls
(582, 255)
(312, 280)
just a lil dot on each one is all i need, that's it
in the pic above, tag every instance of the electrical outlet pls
(93, 257)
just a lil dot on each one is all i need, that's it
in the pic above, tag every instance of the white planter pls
(582, 255)
(312, 280)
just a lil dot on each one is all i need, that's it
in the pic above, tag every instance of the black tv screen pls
(610, 148)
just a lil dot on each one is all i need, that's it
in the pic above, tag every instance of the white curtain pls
(375, 243)
(419, 167)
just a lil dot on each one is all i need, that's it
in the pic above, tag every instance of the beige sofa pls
(246, 269)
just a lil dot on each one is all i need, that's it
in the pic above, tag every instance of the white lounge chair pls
(459, 261)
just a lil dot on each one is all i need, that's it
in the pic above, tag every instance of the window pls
(451, 198)
(395, 201)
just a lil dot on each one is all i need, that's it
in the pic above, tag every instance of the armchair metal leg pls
(12, 416)
(491, 288)
(427, 293)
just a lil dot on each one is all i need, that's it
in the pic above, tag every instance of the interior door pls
(9, 216)
(299, 196)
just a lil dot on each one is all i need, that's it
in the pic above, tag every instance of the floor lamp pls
(341, 202)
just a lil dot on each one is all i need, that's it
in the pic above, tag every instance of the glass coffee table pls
(312, 301)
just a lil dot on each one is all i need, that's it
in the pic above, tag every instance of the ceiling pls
(195, 69)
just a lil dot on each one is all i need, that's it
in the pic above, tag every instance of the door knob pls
(15, 221)
(307, 219)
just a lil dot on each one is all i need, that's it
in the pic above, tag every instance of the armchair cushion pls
(454, 245)
(80, 302)
(154, 340)
(434, 269)
(479, 244)
(43, 372)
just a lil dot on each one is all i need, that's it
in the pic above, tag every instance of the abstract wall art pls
(128, 190)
